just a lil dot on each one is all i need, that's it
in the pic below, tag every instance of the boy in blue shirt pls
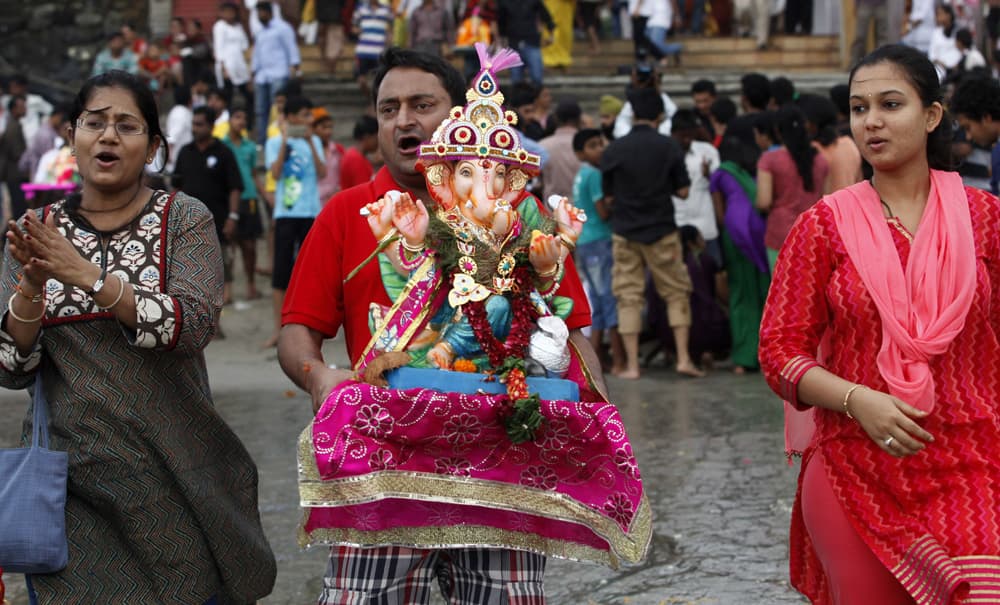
(593, 249)
(295, 159)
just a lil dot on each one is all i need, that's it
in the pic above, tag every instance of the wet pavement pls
(710, 451)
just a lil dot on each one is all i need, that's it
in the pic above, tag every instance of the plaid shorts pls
(391, 575)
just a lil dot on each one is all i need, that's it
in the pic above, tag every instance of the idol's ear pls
(517, 180)
(438, 176)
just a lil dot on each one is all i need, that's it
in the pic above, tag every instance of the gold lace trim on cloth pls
(630, 547)
(931, 576)
(404, 339)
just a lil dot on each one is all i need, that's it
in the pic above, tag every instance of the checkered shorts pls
(403, 576)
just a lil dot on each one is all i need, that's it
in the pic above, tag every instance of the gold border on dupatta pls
(404, 339)
(628, 547)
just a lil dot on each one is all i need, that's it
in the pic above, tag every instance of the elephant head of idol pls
(474, 162)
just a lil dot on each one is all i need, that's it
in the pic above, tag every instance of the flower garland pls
(507, 357)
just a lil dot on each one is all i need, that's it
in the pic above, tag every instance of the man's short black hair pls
(964, 36)
(215, 92)
(451, 79)
(782, 91)
(13, 101)
(840, 94)
(684, 120)
(722, 110)
(521, 94)
(365, 126)
(703, 85)
(568, 111)
(292, 88)
(297, 103)
(264, 5)
(647, 104)
(114, 35)
(757, 90)
(205, 110)
(976, 98)
(19, 79)
(584, 135)
(182, 95)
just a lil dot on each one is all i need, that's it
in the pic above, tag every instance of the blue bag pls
(33, 500)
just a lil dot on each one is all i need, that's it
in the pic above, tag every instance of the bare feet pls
(271, 342)
(264, 271)
(739, 370)
(252, 293)
(690, 370)
(627, 373)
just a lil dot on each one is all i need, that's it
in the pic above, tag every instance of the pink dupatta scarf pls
(923, 306)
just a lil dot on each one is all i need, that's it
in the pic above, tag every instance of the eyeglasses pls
(125, 128)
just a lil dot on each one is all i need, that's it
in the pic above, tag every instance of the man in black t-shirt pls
(207, 170)
(640, 172)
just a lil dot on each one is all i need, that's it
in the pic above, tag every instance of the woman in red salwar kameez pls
(881, 332)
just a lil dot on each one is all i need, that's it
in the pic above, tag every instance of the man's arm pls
(301, 357)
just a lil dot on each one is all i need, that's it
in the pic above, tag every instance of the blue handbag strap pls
(40, 421)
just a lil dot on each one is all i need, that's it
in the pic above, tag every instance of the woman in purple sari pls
(733, 190)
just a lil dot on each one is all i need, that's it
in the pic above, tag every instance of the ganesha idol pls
(474, 420)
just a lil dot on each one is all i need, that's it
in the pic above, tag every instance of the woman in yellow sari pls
(560, 52)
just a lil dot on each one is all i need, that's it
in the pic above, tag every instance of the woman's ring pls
(888, 441)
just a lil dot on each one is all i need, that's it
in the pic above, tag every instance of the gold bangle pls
(567, 242)
(36, 298)
(121, 292)
(411, 249)
(10, 310)
(552, 273)
(847, 398)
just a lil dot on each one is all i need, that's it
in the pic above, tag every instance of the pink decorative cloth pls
(573, 492)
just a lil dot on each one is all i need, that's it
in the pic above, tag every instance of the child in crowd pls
(355, 168)
(295, 160)
(333, 152)
(593, 249)
(154, 68)
(249, 226)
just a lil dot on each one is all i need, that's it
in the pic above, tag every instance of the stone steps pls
(345, 102)
(787, 53)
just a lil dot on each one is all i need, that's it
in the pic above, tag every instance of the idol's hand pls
(570, 219)
(410, 219)
(379, 215)
(544, 252)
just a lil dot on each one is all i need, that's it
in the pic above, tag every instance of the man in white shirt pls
(230, 43)
(38, 110)
(178, 131)
(701, 159)
(645, 76)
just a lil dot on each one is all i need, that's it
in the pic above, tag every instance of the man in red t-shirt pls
(355, 169)
(414, 93)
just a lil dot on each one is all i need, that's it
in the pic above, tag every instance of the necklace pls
(116, 208)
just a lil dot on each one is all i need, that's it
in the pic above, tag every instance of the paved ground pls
(710, 452)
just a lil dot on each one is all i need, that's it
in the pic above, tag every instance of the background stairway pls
(811, 62)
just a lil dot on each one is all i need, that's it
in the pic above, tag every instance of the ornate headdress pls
(482, 129)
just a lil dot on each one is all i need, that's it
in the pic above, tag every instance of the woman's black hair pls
(920, 73)
(689, 235)
(732, 149)
(948, 10)
(792, 128)
(765, 122)
(141, 94)
(822, 114)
